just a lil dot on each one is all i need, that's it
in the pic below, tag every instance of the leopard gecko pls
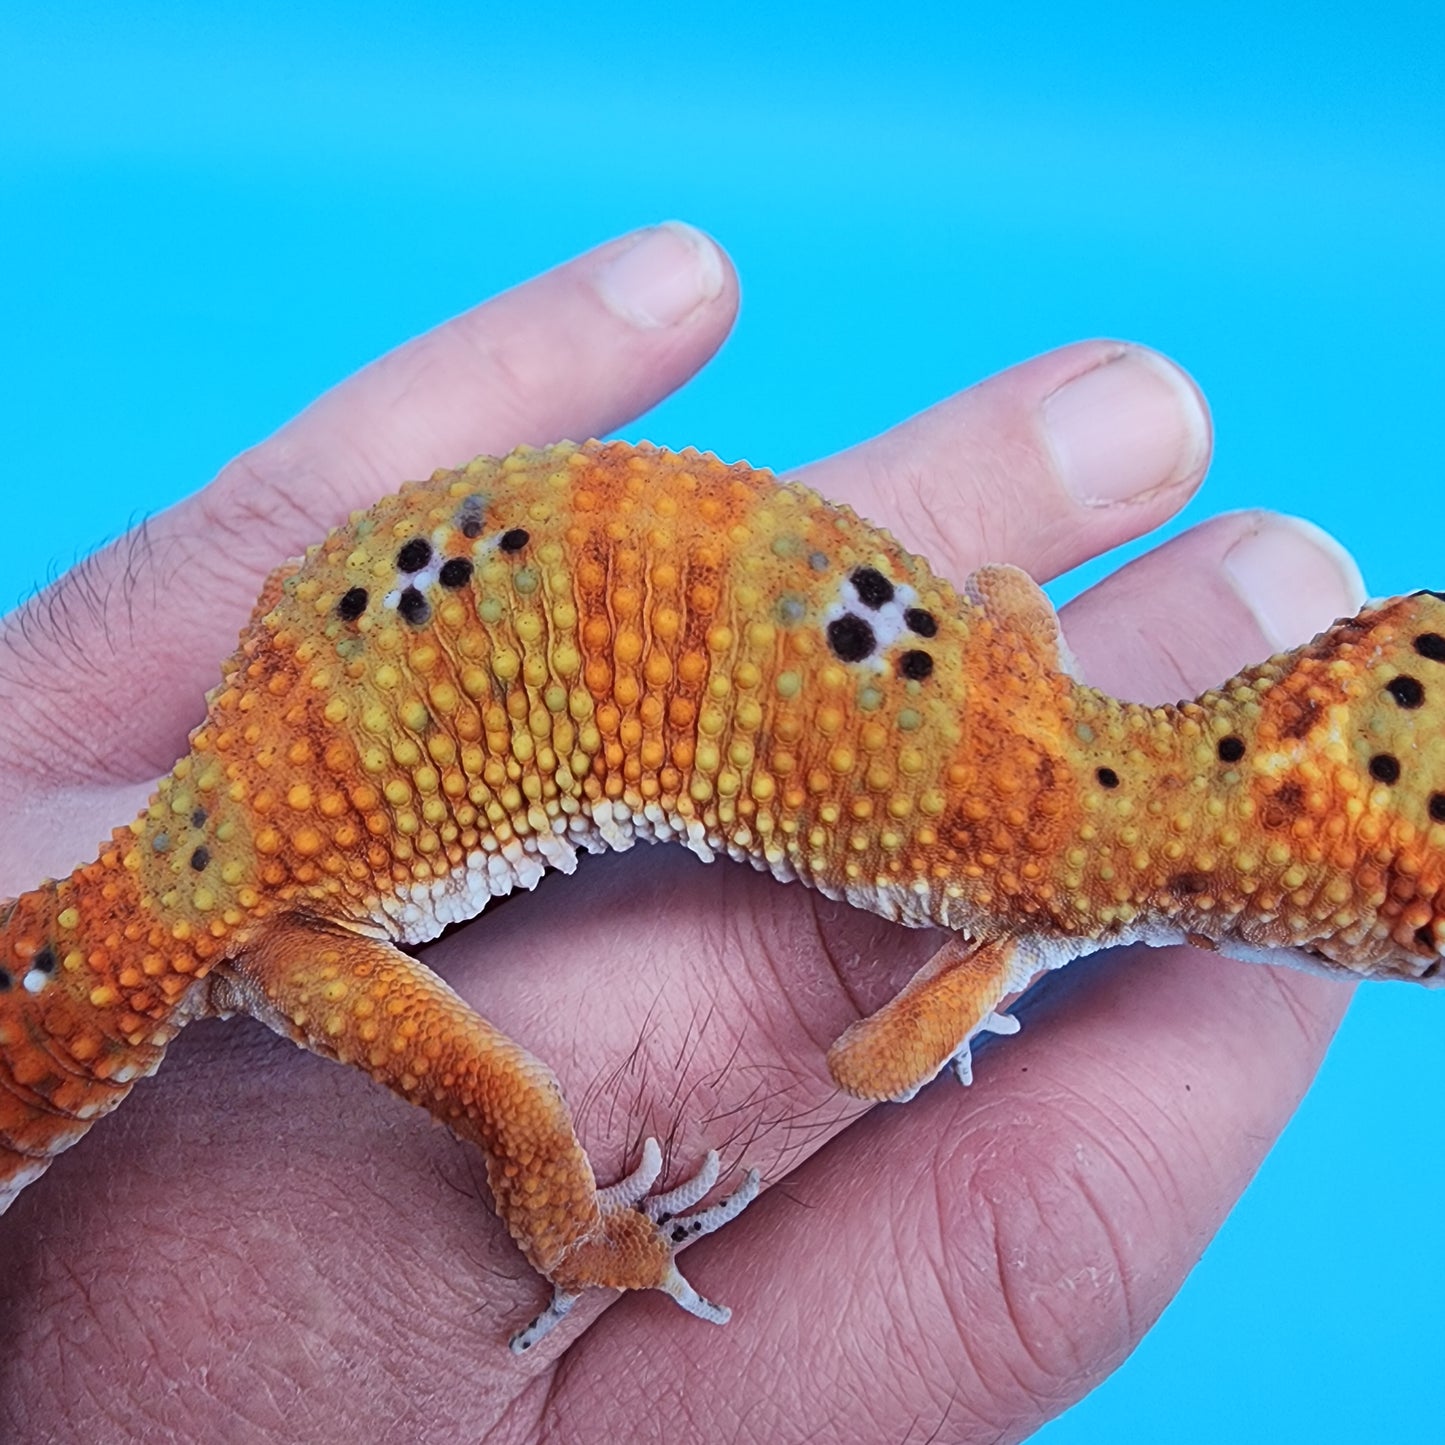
(579, 647)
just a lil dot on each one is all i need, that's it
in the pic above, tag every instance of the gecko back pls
(582, 647)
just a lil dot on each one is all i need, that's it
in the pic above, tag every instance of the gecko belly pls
(417, 913)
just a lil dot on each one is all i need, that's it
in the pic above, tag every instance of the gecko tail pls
(1338, 749)
(65, 1059)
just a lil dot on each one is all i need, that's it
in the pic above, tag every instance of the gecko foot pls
(995, 1023)
(634, 1247)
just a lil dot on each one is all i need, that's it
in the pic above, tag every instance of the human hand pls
(261, 1245)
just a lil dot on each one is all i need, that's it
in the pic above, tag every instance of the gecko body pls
(576, 648)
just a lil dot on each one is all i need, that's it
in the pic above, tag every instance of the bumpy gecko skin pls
(576, 648)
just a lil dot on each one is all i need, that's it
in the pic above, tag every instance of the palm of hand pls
(256, 1237)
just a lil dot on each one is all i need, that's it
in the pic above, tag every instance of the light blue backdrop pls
(205, 220)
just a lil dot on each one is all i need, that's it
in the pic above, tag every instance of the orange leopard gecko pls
(583, 646)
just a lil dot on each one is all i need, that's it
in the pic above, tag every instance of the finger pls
(106, 669)
(1044, 465)
(1007, 1268)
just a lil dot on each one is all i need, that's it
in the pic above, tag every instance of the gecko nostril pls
(1431, 645)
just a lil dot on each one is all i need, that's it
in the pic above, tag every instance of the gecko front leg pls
(894, 1052)
(361, 1001)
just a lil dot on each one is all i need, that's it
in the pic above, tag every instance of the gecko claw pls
(993, 1023)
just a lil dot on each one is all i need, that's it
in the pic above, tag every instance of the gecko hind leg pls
(928, 1027)
(359, 1000)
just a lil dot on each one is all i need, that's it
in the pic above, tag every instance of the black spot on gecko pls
(921, 621)
(414, 555)
(850, 637)
(874, 589)
(916, 665)
(352, 604)
(456, 573)
(1406, 691)
(1384, 768)
(1431, 645)
(514, 539)
(44, 961)
(198, 818)
(471, 515)
(1437, 807)
(1231, 749)
(1107, 777)
(201, 859)
(4, 981)
(414, 607)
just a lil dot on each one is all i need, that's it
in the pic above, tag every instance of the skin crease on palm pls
(262, 1245)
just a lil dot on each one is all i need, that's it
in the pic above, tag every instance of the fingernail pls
(1126, 428)
(1294, 577)
(659, 280)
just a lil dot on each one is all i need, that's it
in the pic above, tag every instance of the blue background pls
(205, 219)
